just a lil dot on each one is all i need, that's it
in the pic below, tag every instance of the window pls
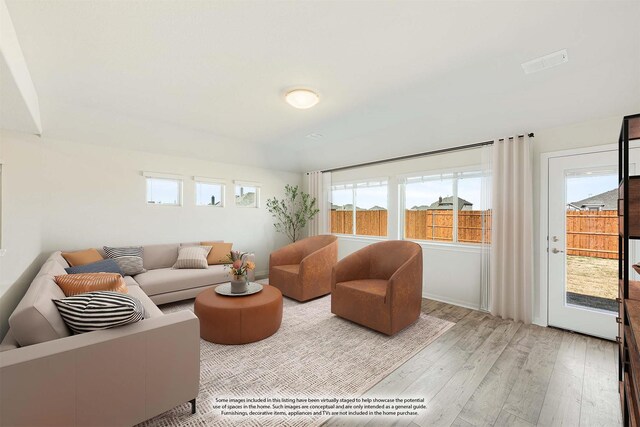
(446, 208)
(474, 219)
(429, 208)
(247, 195)
(209, 192)
(164, 191)
(360, 208)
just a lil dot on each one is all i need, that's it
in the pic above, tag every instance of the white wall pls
(88, 196)
(451, 271)
(21, 216)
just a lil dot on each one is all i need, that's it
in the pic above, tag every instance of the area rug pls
(314, 353)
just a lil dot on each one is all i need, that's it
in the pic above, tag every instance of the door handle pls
(556, 251)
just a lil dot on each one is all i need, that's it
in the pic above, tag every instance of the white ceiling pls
(202, 78)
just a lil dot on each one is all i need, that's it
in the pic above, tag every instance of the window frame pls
(255, 185)
(166, 177)
(354, 186)
(209, 181)
(456, 174)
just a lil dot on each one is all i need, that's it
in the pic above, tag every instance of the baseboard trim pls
(450, 301)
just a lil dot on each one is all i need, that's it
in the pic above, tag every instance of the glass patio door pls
(583, 243)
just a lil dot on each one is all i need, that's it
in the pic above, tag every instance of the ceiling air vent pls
(544, 62)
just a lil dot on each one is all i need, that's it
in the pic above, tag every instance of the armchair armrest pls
(405, 285)
(356, 266)
(118, 376)
(315, 267)
(290, 254)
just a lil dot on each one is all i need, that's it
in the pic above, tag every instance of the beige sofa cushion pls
(36, 318)
(160, 256)
(165, 280)
(150, 309)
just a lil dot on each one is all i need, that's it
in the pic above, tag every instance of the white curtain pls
(511, 259)
(485, 205)
(319, 184)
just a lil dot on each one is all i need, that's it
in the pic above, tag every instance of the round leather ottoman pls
(239, 319)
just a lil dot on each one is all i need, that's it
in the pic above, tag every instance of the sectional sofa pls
(119, 376)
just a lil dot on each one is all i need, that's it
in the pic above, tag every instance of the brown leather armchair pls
(379, 286)
(302, 270)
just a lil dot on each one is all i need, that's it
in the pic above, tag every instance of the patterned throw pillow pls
(99, 310)
(129, 258)
(74, 284)
(104, 266)
(130, 265)
(192, 257)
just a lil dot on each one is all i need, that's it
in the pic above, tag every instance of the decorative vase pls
(239, 284)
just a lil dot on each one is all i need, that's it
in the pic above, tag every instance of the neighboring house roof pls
(349, 207)
(247, 199)
(606, 201)
(445, 203)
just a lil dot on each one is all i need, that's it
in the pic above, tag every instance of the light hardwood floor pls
(486, 371)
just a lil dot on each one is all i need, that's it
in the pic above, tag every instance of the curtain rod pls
(424, 154)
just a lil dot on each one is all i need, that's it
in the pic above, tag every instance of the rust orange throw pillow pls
(74, 284)
(218, 253)
(86, 256)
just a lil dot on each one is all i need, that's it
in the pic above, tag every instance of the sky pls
(582, 186)
(578, 187)
(420, 193)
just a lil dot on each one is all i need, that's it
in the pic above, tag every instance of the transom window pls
(247, 195)
(164, 191)
(209, 193)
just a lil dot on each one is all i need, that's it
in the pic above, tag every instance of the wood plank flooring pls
(486, 371)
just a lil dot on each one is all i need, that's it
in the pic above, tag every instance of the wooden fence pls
(589, 233)
(592, 233)
(420, 225)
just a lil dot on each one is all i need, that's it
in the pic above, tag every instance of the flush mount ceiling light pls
(302, 98)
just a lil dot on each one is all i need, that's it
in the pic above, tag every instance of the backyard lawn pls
(592, 276)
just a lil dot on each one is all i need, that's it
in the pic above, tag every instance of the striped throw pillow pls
(123, 251)
(99, 310)
(192, 257)
(74, 284)
(129, 258)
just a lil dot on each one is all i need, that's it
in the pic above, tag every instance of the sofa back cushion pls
(36, 318)
(160, 256)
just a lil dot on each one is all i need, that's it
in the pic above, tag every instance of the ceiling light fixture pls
(302, 98)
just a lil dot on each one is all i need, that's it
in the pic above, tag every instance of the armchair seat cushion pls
(289, 270)
(372, 287)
